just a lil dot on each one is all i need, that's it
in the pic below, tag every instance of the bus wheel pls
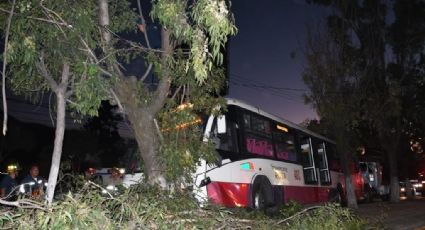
(262, 193)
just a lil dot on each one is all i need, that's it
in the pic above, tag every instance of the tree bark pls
(148, 142)
(344, 151)
(57, 150)
(394, 182)
(351, 196)
(60, 92)
(142, 122)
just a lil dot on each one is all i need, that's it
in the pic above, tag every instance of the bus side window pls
(322, 163)
(226, 141)
(258, 138)
(333, 159)
(285, 146)
(307, 161)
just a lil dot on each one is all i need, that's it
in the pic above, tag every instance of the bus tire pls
(262, 194)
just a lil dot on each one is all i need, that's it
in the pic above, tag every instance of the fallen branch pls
(299, 213)
(24, 203)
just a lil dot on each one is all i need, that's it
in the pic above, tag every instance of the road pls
(407, 214)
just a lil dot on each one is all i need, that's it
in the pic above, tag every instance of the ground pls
(407, 214)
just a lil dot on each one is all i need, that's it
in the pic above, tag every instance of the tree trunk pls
(148, 143)
(57, 150)
(394, 183)
(60, 91)
(351, 196)
(344, 151)
(145, 131)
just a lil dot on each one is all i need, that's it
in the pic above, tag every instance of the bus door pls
(307, 160)
(322, 164)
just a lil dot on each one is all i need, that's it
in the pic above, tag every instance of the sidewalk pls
(407, 214)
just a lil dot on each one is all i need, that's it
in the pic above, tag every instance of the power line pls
(260, 85)
(281, 95)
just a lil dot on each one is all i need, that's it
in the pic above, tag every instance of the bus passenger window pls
(260, 125)
(259, 146)
(247, 121)
(284, 145)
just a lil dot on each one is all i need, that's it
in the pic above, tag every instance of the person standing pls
(8, 183)
(33, 183)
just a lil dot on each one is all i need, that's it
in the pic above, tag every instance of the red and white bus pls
(266, 161)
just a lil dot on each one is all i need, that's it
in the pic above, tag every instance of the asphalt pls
(404, 215)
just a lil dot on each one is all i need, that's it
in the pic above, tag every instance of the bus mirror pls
(221, 124)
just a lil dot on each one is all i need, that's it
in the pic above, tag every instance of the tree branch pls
(39, 19)
(299, 213)
(6, 40)
(161, 92)
(41, 66)
(24, 203)
(114, 95)
(176, 92)
(146, 73)
(145, 33)
(104, 21)
(65, 77)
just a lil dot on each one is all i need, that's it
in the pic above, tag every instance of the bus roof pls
(239, 103)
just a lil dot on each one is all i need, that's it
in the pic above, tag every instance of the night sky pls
(260, 55)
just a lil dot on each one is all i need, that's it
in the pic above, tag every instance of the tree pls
(404, 74)
(333, 86)
(48, 52)
(388, 83)
(76, 52)
(193, 34)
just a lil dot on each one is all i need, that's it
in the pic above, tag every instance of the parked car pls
(415, 187)
(111, 178)
(406, 190)
(418, 187)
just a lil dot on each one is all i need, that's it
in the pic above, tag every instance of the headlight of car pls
(402, 189)
(418, 185)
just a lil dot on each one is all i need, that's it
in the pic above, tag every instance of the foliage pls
(46, 30)
(143, 207)
(328, 217)
(204, 28)
(290, 209)
(182, 146)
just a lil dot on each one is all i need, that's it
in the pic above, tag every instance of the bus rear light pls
(248, 166)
